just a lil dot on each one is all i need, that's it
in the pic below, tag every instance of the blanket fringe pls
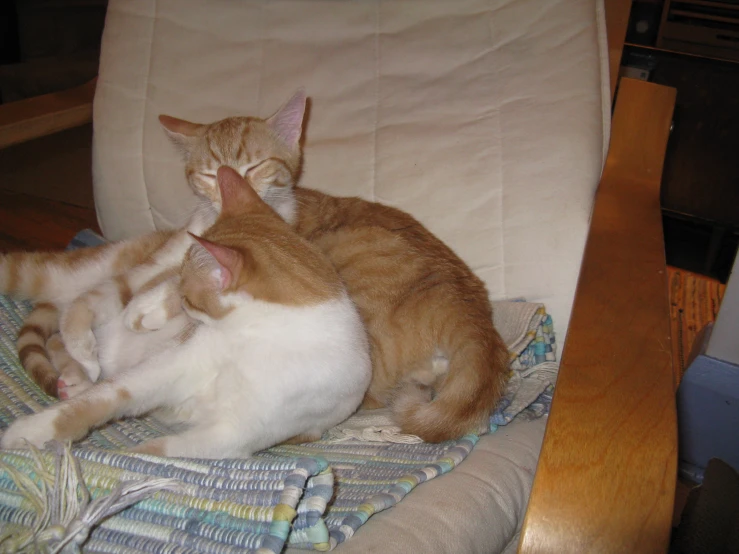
(64, 512)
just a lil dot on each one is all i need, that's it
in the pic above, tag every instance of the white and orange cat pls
(270, 347)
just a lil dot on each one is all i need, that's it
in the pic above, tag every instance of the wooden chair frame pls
(606, 476)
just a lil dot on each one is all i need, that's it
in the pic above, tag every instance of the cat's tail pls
(59, 277)
(40, 324)
(461, 401)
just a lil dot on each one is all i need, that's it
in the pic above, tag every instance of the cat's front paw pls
(36, 429)
(148, 311)
(143, 322)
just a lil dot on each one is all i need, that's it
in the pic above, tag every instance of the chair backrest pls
(487, 120)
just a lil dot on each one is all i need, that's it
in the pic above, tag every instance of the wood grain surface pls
(47, 114)
(694, 303)
(606, 476)
(31, 223)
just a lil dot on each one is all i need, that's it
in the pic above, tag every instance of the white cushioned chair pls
(490, 121)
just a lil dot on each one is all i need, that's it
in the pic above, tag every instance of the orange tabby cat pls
(437, 360)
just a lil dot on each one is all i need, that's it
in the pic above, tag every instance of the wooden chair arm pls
(36, 117)
(606, 476)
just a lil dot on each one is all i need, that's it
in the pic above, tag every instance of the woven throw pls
(311, 496)
(234, 505)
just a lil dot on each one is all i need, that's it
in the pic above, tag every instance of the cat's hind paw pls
(73, 378)
(70, 386)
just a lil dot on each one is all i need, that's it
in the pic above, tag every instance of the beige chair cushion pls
(477, 508)
(486, 119)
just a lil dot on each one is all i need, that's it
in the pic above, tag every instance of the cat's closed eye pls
(271, 171)
(251, 169)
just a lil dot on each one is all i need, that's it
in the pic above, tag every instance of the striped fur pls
(41, 324)
(60, 277)
(53, 280)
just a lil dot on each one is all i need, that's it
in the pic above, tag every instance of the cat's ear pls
(236, 192)
(182, 133)
(225, 261)
(287, 123)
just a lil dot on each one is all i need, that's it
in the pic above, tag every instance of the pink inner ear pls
(227, 259)
(224, 277)
(288, 122)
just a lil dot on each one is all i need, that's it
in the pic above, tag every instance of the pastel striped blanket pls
(312, 496)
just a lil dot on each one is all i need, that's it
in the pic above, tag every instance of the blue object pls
(708, 415)
(86, 237)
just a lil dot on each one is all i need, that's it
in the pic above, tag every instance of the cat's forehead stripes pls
(214, 153)
(231, 140)
(252, 147)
